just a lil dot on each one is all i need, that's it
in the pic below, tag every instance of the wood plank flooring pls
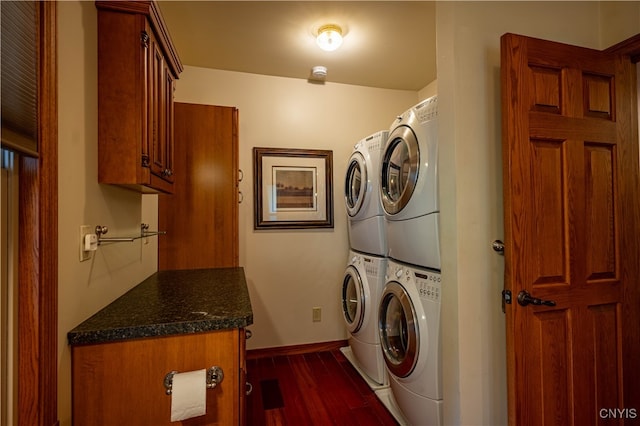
(317, 388)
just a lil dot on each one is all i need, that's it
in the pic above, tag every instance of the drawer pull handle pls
(215, 375)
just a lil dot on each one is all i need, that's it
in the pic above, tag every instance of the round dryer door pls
(398, 329)
(355, 184)
(400, 165)
(353, 299)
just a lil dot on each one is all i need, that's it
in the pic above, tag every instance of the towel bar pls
(144, 232)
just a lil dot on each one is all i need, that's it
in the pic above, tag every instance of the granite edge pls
(155, 330)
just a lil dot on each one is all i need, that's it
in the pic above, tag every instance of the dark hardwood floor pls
(317, 388)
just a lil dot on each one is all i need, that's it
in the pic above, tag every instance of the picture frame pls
(293, 188)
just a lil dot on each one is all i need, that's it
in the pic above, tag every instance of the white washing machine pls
(409, 186)
(409, 326)
(361, 289)
(361, 193)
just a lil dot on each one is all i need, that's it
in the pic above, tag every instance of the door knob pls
(524, 299)
(498, 246)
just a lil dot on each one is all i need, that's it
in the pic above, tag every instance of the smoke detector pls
(319, 73)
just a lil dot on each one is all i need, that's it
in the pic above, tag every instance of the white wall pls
(468, 46)
(428, 91)
(289, 272)
(86, 287)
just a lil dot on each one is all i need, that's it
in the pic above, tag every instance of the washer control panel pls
(371, 266)
(427, 109)
(428, 283)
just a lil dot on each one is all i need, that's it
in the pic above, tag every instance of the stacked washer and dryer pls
(409, 309)
(367, 263)
(392, 286)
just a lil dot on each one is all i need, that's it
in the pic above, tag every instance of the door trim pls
(629, 47)
(38, 245)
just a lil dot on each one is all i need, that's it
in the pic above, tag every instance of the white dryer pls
(361, 194)
(409, 326)
(409, 186)
(361, 289)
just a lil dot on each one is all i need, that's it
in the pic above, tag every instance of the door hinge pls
(506, 299)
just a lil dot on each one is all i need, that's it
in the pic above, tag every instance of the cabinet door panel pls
(157, 131)
(203, 209)
(168, 90)
(121, 383)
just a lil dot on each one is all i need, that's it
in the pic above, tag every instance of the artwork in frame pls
(293, 188)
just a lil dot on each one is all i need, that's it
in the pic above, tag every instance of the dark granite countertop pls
(170, 303)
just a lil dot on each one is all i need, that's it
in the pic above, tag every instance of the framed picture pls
(293, 188)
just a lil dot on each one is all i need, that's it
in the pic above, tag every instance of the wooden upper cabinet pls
(137, 69)
(203, 209)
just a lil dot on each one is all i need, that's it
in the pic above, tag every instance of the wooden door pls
(201, 216)
(572, 228)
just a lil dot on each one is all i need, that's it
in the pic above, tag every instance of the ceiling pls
(387, 44)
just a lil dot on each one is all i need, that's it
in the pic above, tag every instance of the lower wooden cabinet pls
(122, 383)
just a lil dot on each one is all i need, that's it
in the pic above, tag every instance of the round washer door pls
(355, 184)
(353, 299)
(398, 328)
(400, 165)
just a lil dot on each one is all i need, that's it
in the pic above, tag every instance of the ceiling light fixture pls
(329, 37)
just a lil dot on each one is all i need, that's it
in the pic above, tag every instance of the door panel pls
(551, 267)
(570, 162)
(600, 211)
(201, 216)
(553, 329)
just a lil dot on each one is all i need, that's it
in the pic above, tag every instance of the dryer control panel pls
(428, 286)
(427, 109)
(427, 283)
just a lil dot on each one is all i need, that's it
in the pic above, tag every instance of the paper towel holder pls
(215, 375)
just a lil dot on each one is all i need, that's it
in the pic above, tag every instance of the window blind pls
(19, 43)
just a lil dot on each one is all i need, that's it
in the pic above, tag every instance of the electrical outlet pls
(84, 230)
(317, 314)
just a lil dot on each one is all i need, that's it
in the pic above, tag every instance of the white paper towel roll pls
(189, 395)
